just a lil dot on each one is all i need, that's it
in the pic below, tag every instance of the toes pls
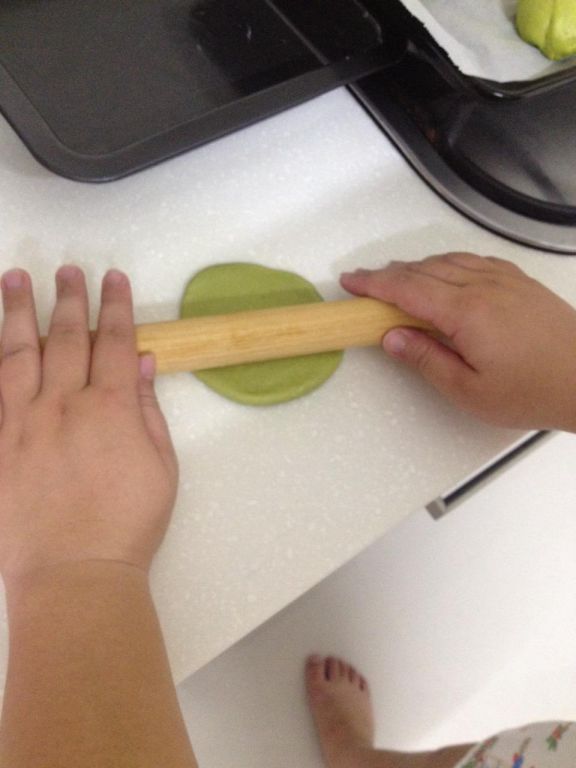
(330, 669)
(325, 669)
(315, 669)
(348, 674)
(355, 678)
(317, 686)
(342, 711)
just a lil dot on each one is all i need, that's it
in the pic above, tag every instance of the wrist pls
(71, 582)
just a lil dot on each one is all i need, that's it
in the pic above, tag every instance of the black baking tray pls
(98, 90)
(502, 153)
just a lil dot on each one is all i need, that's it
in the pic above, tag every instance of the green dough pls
(548, 24)
(227, 288)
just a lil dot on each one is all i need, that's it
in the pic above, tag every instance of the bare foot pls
(339, 698)
(340, 702)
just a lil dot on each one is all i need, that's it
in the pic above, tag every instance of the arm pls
(89, 682)
(87, 483)
(506, 350)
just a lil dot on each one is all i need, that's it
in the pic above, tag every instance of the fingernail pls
(13, 279)
(395, 342)
(115, 277)
(147, 364)
(315, 659)
(67, 281)
(356, 273)
(68, 272)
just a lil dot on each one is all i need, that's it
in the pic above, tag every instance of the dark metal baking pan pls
(502, 153)
(98, 90)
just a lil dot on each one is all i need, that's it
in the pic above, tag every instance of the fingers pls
(456, 269)
(151, 412)
(66, 359)
(464, 268)
(438, 364)
(486, 264)
(114, 357)
(20, 361)
(421, 295)
(430, 289)
(475, 263)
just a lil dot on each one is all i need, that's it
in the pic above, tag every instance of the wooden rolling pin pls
(266, 334)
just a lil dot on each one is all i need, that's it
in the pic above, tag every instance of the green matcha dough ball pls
(548, 24)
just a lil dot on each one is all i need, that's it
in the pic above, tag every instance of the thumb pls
(151, 412)
(438, 364)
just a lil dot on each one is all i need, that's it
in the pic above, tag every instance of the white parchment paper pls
(480, 38)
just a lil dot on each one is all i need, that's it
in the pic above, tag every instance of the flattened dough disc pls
(226, 288)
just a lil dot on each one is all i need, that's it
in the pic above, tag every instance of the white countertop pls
(271, 500)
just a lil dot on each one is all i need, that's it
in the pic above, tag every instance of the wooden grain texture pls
(266, 334)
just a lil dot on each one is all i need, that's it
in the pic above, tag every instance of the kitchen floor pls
(464, 626)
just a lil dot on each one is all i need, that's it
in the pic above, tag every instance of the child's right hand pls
(508, 353)
(87, 468)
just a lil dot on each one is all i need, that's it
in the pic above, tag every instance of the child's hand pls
(87, 468)
(509, 351)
